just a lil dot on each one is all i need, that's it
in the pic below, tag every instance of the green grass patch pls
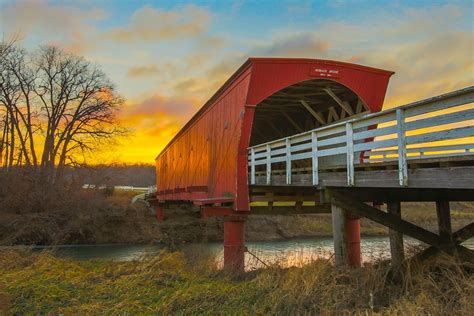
(188, 284)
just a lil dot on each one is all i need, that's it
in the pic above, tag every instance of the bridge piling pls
(443, 213)
(353, 241)
(396, 239)
(346, 236)
(338, 233)
(234, 244)
(444, 221)
(159, 214)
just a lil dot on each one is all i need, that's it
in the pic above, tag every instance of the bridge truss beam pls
(445, 241)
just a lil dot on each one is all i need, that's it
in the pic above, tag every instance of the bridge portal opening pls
(301, 108)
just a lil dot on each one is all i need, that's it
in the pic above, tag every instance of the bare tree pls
(56, 108)
(79, 103)
(16, 92)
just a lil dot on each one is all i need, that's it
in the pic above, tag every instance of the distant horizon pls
(168, 58)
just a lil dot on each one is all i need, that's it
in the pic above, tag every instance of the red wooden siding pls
(208, 157)
(204, 156)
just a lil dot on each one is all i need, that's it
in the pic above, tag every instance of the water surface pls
(289, 252)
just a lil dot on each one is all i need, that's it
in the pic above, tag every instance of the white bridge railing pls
(441, 126)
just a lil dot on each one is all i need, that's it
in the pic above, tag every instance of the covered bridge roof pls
(272, 74)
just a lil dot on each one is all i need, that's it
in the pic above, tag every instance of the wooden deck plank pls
(441, 177)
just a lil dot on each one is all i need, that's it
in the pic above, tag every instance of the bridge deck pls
(447, 172)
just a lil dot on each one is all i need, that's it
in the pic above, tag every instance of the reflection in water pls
(292, 252)
(303, 251)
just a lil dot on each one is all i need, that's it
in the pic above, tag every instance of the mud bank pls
(117, 224)
(121, 223)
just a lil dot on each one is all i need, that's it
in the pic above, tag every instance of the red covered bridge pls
(273, 129)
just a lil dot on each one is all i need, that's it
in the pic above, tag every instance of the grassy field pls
(190, 283)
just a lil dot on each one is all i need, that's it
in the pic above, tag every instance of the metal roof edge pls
(322, 61)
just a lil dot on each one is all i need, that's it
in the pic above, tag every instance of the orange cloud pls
(65, 24)
(153, 122)
(149, 24)
(157, 104)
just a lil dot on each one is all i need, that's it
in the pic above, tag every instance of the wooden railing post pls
(402, 150)
(314, 158)
(288, 160)
(350, 154)
(269, 164)
(252, 166)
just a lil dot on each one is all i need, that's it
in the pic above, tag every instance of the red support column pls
(159, 214)
(234, 247)
(354, 258)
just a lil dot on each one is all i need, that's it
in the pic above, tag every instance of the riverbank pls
(190, 283)
(90, 217)
(95, 218)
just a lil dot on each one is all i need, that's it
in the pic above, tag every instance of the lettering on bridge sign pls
(324, 72)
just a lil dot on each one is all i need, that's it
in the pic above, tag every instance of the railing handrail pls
(354, 135)
(352, 119)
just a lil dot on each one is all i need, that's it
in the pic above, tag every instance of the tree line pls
(55, 108)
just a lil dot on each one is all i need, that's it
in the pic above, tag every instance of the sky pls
(167, 58)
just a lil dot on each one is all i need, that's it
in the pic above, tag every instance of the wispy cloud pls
(142, 71)
(67, 24)
(296, 45)
(151, 24)
(157, 104)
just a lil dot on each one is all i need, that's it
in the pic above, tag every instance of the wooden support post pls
(361, 209)
(339, 235)
(444, 221)
(459, 236)
(396, 239)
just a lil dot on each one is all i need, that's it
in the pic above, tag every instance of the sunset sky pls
(168, 57)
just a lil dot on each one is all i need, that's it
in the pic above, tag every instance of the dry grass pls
(190, 283)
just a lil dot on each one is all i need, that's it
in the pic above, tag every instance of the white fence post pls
(402, 150)
(288, 161)
(314, 157)
(350, 154)
(269, 164)
(252, 166)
